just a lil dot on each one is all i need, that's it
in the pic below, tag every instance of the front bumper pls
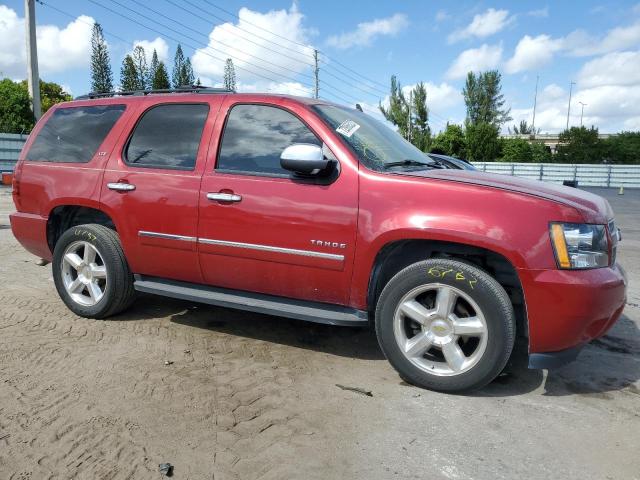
(568, 308)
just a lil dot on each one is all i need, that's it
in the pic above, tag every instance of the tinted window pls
(74, 134)
(255, 136)
(168, 136)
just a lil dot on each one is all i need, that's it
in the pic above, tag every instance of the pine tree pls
(142, 71)
(484, 100)
(398, 111)
(129, 75)
(186, 73)
(178, 61)
(420, 130)
(101, 76)
(153, 68)
(160, 79)
(229, 75)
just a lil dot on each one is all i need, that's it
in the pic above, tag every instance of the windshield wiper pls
(409, 163)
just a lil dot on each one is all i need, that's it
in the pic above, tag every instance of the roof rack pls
(182, 89)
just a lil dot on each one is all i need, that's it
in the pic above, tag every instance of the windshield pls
(377, 146)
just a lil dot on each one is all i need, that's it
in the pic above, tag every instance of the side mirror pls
(304, 159)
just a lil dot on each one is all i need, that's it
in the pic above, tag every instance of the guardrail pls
(587, 175)
(10, 147)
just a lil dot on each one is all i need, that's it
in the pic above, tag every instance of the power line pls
(190, 38)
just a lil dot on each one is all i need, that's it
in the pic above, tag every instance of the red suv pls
(304, 209)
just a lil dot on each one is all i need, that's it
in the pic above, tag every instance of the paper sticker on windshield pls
(348, 128)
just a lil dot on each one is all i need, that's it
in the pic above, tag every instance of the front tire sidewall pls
(483, 289)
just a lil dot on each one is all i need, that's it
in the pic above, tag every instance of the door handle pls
(121, 187)
(224, 197)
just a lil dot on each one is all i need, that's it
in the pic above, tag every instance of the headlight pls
(578, 245)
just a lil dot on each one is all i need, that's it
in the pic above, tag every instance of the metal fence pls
(587, 175)
(10, 146)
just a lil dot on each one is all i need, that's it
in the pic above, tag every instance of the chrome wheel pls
(440, 329)
(84, 274)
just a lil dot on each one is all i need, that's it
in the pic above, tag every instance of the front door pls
(260, 229)
(151, 187)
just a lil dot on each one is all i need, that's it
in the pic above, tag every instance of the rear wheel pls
(91, 273)
(445, 325)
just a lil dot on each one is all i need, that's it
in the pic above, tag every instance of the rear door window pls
(74, 134)
(167, 136)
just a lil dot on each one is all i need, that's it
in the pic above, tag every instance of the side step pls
(253, 302)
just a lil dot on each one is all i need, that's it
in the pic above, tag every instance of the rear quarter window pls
(74, 134)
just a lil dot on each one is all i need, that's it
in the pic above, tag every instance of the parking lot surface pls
(225, 394)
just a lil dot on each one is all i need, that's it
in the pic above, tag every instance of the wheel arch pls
(398, 254)
(67, 215)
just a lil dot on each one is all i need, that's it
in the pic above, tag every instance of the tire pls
(102, 284)
(434, 311)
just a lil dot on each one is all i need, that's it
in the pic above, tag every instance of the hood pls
(593, 207)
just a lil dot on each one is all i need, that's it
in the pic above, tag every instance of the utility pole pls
(569, 106)
(316, 70)
(535, 102)
(33, 78)
(581, 112)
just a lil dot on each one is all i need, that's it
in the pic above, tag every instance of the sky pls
(594, 44)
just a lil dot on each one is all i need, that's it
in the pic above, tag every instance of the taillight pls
(15, 185)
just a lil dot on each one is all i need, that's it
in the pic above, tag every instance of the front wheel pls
(91, 272)
(445, 325)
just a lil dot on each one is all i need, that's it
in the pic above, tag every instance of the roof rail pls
(182, 89)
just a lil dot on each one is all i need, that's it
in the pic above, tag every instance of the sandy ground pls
(250, 396)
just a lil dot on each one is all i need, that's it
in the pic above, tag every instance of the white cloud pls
(532, 53)
(442, 15)
(250, 54)
(540, 13)
(158, 44)
(58, 48)
(580, 43)
(366, 32)
(617, 68)
(475, 59)
(483, 25)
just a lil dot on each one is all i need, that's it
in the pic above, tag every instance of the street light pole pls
(33, 78)
(569, 106)
(581, 112)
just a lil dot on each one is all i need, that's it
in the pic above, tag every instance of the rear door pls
(151, 185)
(264, 231)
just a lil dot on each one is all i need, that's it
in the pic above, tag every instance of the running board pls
(253, 302)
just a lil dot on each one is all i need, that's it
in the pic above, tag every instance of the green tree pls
(129, 75)
(450, 141)
(580, 145)
(398, 111)
(420, 131)
(177, 78)
(15, 108)
(101, 76)
(540, 153)
(50, 94)
(623, 148)
(523, 129)
(153, 68)
(186, 74)
(516, 150)
(483, 144)
(483, 98)
(160, 79)
(142, 70)
(229, 75)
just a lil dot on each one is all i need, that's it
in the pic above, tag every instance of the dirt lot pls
(250, 396)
